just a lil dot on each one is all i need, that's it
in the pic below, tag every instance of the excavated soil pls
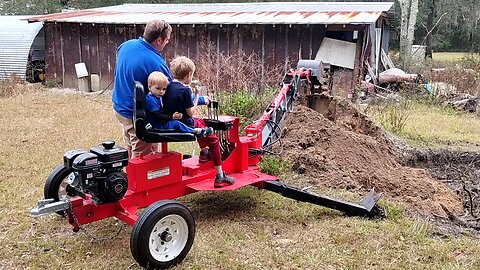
(342, 148)
(457, 169)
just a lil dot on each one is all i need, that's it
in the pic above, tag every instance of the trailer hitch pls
(364, 208)
(47, 206)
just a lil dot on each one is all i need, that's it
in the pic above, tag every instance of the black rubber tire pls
(52, 185)
(140, 236)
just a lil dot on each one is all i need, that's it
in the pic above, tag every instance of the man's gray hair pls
(156, 29)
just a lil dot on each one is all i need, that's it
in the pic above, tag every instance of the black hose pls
(265, 148)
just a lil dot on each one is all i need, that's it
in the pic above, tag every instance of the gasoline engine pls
(98, 173)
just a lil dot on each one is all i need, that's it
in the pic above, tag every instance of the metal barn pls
(21, 49)
(280, 33)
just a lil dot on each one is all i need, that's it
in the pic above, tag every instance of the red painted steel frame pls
(158, 176)
(165, 175)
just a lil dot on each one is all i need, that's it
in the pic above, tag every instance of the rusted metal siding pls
(96, 44)
(229, 13)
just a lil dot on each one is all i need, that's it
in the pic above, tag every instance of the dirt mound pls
(344, 149)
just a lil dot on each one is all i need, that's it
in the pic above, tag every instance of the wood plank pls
(51, 58)
(179, 42)
(371, 73)
(191, 43)
(304, 42)
(293, 45)
(86, 48)
(269, 45)
(111, 54)
(318, 33)
(70, 54)
(280, 42)
(94, 43)
(388, 61)
(103, 63)
(222, 40)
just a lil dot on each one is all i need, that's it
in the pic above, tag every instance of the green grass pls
(242, 229)
(431, 125)
(272, 165)
(448, 56)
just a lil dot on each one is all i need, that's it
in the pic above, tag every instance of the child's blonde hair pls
(181, 66)
(156, 78)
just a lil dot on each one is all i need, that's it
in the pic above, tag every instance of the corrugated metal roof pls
(16, 38)
(229, 13)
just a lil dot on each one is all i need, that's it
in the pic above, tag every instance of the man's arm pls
(202, 100)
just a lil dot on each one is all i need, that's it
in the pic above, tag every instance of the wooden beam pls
(344, 27)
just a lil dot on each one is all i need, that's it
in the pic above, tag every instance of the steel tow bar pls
(47, 206)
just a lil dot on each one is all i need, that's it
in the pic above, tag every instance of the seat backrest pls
(140, 122)
(139, 113)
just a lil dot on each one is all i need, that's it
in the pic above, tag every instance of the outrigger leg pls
(364, 208)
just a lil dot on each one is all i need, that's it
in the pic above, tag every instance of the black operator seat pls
(151, 135)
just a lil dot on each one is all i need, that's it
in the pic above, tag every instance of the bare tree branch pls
(434, 26)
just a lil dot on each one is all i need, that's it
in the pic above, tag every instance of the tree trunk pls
(431, 14)
(409, 10)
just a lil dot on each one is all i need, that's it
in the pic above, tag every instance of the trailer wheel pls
(56, 184)
(162, 235)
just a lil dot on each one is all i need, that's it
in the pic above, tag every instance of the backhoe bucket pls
(316, 92)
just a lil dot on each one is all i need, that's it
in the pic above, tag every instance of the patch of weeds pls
(392, 211)
(239, 102)
(434, 104)
(234, 71)
(272, 165)
(471, 63)
(419, 231)
(14, 87)
(6, 89)
(51, 83)
(393, 116)
(431, 124)
(245, 104)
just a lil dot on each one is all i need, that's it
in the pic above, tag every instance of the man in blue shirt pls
(136, 59)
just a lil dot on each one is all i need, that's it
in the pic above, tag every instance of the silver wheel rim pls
(168, 238)
(62, 189)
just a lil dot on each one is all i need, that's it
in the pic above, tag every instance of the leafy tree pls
(447, 25)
